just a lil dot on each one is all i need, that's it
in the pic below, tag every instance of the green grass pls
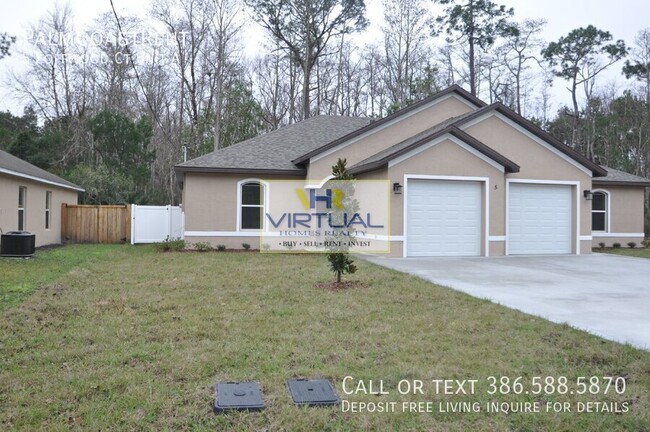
(126, 338)
(636, 252)
(20, 277)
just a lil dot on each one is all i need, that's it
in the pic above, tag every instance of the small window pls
(252, 205)
(22, 204)
(48, 209)
(599, 215)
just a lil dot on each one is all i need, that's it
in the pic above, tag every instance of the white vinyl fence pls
(152, 224)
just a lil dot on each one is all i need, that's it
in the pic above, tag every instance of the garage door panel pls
(443, 218)
(539, 219)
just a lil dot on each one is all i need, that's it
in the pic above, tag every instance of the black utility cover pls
(318, 392)
(238, 396)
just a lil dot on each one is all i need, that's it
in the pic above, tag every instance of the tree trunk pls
(576, 114)
(305, 90)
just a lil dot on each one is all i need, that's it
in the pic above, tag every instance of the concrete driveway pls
(607, 295)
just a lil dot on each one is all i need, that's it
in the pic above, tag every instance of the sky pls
(623, 18)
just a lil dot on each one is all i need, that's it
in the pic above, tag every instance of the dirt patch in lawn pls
(340, 286)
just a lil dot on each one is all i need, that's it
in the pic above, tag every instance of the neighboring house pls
(31, 198)
(469, 178)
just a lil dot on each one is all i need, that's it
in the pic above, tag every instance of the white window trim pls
(486, 205)
(23, 208)
(265, 205)
(530, 135)
(48, 210)
(608, 226)
(576, 186)
(388, 124)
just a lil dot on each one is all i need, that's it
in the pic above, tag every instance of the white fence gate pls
(152, 224)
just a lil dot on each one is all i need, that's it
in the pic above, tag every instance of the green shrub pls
(601, 245)
(616, 245)
(221, 248)
(646, 243)
(170, 244)
(203, 246)
(246, 246)
(631, 245)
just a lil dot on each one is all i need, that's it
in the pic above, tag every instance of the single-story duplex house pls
(468, 179)
(31, 198)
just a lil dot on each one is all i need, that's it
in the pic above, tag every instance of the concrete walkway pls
(607, 295)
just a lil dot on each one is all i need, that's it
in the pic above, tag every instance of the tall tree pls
(639, 67)
(5, 43)
(518, 51)
(304, 28)
(405, 34)
(578, 58)
(475, 23)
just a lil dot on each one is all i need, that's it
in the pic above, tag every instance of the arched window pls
(600, 211)
(251, 207)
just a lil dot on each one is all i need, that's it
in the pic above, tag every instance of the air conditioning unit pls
(18, 244)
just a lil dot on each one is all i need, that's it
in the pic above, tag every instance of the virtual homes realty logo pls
(337, 216)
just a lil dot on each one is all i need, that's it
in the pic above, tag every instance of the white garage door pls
(443, 218)
(539, 219)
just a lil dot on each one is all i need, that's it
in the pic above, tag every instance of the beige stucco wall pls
(625, 214)
(381, 139)
(35, 207)
(210, 200)
(445, 159)
(536, 163)
(210, 204)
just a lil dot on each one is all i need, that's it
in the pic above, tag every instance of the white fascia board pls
(40, 180)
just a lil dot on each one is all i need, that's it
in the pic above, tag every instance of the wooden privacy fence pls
(96, 223)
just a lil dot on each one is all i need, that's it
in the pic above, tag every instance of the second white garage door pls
(539, 219)
(443, 218)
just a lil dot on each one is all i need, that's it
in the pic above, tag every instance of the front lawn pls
(128, 338)
(636, 252)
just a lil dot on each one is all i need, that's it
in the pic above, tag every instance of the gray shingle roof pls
(10, 164)
(275, 150)
(615, 176)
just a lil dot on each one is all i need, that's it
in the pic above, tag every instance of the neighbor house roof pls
(382, 158)
(273, 152)
(454, 89)
(14, 166)
(615, 177)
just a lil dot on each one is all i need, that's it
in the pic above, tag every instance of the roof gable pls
(453, 90)
(14, 166)
(382, 158)
(538, 132)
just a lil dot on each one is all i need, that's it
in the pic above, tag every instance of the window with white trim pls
(599, 214)
(48, 209)
(252, 205)
(22, 208)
